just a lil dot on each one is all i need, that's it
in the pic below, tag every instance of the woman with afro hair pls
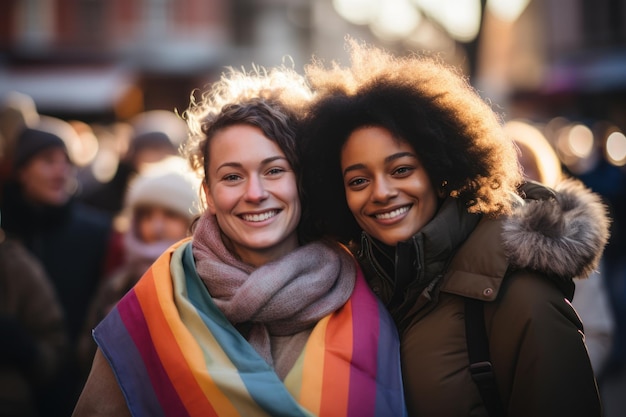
(405, 162)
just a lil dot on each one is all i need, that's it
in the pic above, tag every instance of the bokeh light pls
(575, 147)
(616, 148)
(460, 18)
(580, 141)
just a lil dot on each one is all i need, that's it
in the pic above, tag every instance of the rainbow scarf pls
(174, 354)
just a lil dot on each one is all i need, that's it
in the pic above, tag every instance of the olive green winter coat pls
(522, 267)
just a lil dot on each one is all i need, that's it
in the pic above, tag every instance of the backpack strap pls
(478, 352)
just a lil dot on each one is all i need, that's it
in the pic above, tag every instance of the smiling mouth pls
(392, 214)
(259, 217)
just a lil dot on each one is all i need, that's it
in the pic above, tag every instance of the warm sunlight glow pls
(358, 12)
(461, 18)
(507, 10)
(396, 20)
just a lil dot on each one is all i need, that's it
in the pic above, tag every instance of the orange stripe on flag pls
(337, 363)
(312, 369)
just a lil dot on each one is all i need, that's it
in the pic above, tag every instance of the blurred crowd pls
(86, 208)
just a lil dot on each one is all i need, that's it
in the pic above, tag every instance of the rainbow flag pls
(175, 354)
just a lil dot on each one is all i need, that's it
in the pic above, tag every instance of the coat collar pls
(559, 234)
(479, 266)
(420, 261)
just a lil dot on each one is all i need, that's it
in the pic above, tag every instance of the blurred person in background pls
(34, 339)
(17, 111)
(71, 240)
(540, 163)
(154, 136)
(160, 205)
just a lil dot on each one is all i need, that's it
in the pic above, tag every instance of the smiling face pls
(252, 191)
(387, 189)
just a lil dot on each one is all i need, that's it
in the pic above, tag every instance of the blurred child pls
(160, 205)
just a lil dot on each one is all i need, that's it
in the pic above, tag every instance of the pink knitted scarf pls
(280, 298)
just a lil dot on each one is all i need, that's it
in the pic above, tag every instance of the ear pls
(209, 198)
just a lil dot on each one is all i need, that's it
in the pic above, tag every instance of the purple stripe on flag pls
(149, 386)
(365, 322)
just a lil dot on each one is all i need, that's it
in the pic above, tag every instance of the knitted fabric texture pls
(280, 298)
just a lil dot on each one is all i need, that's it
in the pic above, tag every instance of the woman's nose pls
(383, 190)
(255, 190)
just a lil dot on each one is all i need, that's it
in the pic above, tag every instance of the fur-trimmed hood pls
(560, 233)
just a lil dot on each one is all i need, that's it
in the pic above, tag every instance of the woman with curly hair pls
(404, 161)
(245, 318)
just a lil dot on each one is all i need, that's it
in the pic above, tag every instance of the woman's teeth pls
(259, 217)
(392, 214)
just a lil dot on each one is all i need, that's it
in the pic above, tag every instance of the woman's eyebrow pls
(272, 159)
(263, 162)
(399, 155)
(388, 159)
(353, 168)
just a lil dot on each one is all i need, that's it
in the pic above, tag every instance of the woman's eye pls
(275, 171)
(403, 171)
(357, 182)
(231, 177)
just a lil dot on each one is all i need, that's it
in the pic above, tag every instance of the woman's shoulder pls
(525, 290)
(555, 234)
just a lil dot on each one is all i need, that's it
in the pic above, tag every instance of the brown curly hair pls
(271, 99)
(457, 136)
